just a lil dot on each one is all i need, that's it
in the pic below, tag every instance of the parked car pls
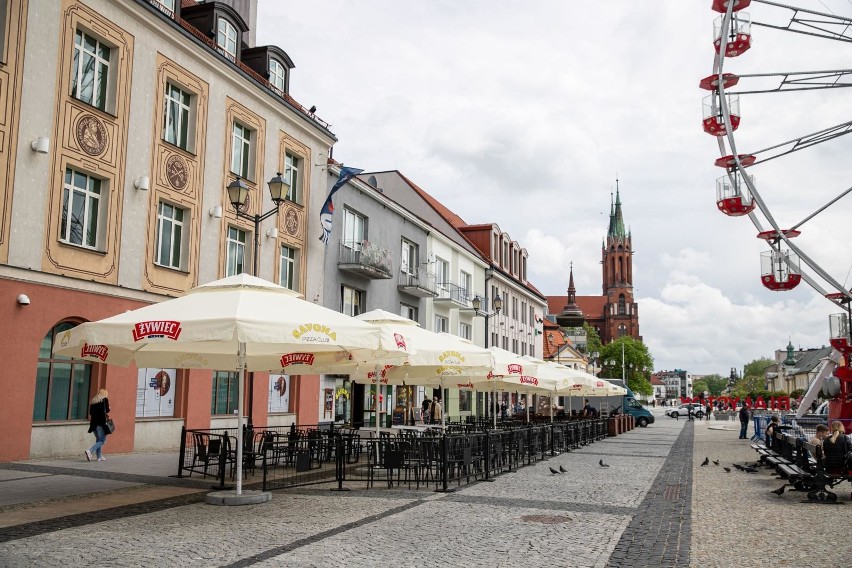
(684, 409)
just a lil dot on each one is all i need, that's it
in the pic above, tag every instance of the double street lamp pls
(238, 195)
(476, 302)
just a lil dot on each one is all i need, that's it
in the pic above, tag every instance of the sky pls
(524, 113)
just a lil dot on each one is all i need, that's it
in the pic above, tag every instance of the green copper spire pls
(616, 220)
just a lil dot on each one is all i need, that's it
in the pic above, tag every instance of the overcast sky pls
(524, 112)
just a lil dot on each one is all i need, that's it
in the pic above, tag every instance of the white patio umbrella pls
(240, 323)
(511, 372)
(431, 359)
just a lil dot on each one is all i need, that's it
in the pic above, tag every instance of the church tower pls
(621, 314)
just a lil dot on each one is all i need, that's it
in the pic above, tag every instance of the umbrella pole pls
(241, 360)
(551, 407)
(528, 405)
(443, 408)
(378, 383)
(494, 403)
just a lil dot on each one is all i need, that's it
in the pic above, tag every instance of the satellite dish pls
(831, 387)
(373, 181)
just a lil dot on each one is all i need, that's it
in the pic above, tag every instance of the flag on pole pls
(327, 211)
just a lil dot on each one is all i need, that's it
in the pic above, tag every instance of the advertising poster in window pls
(279, 393)
(155, 393)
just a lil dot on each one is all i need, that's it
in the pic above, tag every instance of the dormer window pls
(226, 39)
(277, 75)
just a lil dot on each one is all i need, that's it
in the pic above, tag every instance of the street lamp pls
(238, 194)
(611, 363)
(476, 302)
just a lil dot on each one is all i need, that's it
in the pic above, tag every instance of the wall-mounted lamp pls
(272, 233)
(142, 184)
(41, 145)
(216, 212)
(23, 299)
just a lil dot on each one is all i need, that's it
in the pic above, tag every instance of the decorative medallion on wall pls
(91, 135)
(291, 222)
(176, 172)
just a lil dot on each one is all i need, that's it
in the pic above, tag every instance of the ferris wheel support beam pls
(820, 210)
(758, 199)
(806, 141)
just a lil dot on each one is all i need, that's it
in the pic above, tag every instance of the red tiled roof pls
(592, 306)
(439, 207)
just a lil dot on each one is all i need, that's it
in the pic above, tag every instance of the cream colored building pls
(121, 124)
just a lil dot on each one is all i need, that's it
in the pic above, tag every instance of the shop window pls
(225, 392)
(62, 383)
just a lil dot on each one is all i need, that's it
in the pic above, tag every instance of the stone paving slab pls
(737, 520)
(528, 518)
(40, 487)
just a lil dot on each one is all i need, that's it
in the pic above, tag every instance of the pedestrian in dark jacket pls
(745, 416)
(98, 416)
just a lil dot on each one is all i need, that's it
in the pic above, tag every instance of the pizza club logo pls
(465, 385)
(600, 384)
(400, 341)
(97, 351)
(149, 329)
(314, 333)
(297, 359)
(516, 369)
(525, 380)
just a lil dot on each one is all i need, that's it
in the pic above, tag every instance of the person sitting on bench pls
(835, 449)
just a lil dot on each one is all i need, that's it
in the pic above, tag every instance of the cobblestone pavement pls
(640, 511)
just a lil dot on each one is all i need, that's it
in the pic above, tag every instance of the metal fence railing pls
(280, 457)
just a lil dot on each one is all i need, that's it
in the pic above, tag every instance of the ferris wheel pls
(786, 264)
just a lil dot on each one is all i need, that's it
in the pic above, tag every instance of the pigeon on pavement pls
(727, 469)
(705, 462)
(779, 491)
(553, 470)
(602, 464)
(715, 462)
(749, 470)
(562, 469)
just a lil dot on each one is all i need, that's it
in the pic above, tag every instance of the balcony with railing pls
(453, 293)
(421, 283)
(365, 259)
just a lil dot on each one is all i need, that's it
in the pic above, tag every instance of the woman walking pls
(98, 416)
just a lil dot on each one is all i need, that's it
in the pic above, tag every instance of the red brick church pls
(614, 313)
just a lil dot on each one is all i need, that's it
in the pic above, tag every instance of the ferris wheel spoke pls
(821, 209)
(822, 25)
(801, 81)
(802, 142)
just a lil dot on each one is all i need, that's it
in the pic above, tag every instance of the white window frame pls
(410, 312)
(226, 38)
(293, 177)
(442, 323)
(465, 331)
(93, 195)
(352, 301)
(235, 260)
(99, 72)
(277, 74)
(442, 272)
(171, 221)
(408, 258)
(466, 283)
(178, 116)
(289, 272)
(241, 150)
(354, 229)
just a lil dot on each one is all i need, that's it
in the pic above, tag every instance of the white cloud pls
(523, 114)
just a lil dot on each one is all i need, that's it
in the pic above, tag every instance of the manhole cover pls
(546, 519)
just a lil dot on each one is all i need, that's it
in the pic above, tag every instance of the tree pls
(714, 384)
(757, 367)
(593, 340)
(754, 378)
(700, 387)
(638, 363)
